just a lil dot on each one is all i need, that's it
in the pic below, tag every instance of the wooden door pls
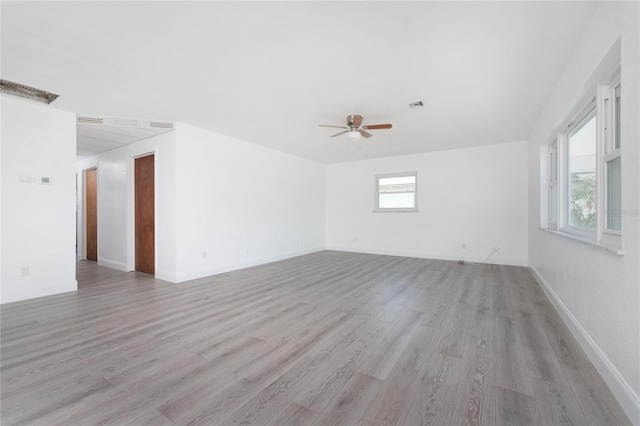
(91, 193)
(144, 214)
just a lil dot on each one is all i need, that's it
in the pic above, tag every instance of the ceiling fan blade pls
(365, 134)
(337, 127)
(338, 134)
(377, 126)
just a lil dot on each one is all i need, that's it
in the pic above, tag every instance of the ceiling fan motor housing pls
(354, 121)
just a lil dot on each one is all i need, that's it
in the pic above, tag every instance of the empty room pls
(320, 213)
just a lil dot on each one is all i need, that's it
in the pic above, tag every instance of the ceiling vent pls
(28, 92)
(90, 120)
(125, 122)
(161, 125)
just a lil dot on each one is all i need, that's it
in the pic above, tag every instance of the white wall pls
(241, 204)
(116, 208)
(597, 292)
(476, 196)
(38, 221)
(221, 204)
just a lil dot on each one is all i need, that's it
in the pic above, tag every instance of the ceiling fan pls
(355, 129)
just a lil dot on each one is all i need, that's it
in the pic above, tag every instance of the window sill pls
(583, 240)
(397, 211)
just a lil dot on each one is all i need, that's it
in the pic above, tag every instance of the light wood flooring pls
(329, 338)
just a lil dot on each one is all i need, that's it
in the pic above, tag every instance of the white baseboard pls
(166, 276)
(628, 399)
(495, 260)
(120, 266)
(241, 265)
(33, 293)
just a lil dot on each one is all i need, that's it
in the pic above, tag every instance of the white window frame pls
(376, 193)
(606, 151)
(553, 184)
(586, 113)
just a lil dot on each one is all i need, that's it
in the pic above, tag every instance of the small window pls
(396, 192)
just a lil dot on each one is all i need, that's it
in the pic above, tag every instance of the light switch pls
(27, 179)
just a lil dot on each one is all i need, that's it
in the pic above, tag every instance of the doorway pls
(144, 192)
(91, 194)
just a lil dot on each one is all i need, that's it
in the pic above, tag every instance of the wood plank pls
(389, 348)
(454, 331)
(475, 400)
(541, 359)
(294, 414)
(348, 406)
(511, 370)
(432, 403)
(274, 398)
(513, 408)
(399, 387)
(598, 404)
(335, 371)
(557, 404)
(205, 407)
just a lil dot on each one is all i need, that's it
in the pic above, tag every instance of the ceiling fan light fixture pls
(11, 88)
(353, 134)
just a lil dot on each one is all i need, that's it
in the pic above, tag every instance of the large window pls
(396, 192)
(584, 167)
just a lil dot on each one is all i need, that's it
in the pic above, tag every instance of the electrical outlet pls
(464, 246)
(354, 239)
(204, 255)
(24, 271)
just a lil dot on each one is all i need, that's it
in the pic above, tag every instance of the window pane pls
(614, 204)
(582, 175)
(397, 184)
(397, 201)
(553, 204)
(617, 117)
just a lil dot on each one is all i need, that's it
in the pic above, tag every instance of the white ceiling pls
(270, 72)
(92, 138)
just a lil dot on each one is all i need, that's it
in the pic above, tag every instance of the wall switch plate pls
(27, 179)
